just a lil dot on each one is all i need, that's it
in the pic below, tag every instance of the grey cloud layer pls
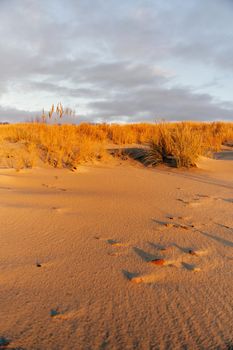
(110, 55)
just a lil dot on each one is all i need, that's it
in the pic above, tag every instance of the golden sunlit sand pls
(77, 251)
(116, 175)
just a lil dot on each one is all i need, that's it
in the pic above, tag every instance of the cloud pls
(13, 115)
(132, 60)
(156, 104)
(208, 31)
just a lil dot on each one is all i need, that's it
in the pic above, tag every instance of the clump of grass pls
(159, 147)
(179, 145)
(187, 146)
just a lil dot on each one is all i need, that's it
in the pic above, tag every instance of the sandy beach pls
(117, 256)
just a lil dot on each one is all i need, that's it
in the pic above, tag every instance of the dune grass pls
(67, 146)
(180, 145)
(63, 146)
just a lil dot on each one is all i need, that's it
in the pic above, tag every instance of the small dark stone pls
(54, 312)
(192, 252)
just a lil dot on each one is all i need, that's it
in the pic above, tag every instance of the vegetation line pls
(68, 145)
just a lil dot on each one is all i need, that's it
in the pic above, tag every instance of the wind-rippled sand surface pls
(76, 252)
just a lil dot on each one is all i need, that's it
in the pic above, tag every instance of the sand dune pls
(76, 252)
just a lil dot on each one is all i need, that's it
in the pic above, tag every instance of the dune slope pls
(117, 257)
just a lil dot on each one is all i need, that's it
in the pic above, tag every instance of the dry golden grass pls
(69, 145)
(180, 144)
(59, 146)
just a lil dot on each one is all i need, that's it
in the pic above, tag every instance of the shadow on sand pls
(129, 275)
(224, 155)
(144, 255)
(138, 154)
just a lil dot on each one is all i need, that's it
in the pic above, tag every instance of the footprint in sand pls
(192, 251)
(148, 279)
(159, 262)
(181, 218)
(224, 225)
(161, 248)
(170, 224)
(152, 258)
(170, 217)
(54, 187)
(115, 243)
(184, 227)
(191, 267)
(163, 224)
(69, 315)
(200, 199)
(196, 201)
(197, 252)
(144, 255)
(175, 224)
(65, 210)
(47, 186)
(183, 201)
(110, 241)
(137, 278)
(164, 262)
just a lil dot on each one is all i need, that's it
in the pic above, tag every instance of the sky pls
(117, 60)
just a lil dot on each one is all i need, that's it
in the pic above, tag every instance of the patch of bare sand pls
(220, 167)
(76, 252)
